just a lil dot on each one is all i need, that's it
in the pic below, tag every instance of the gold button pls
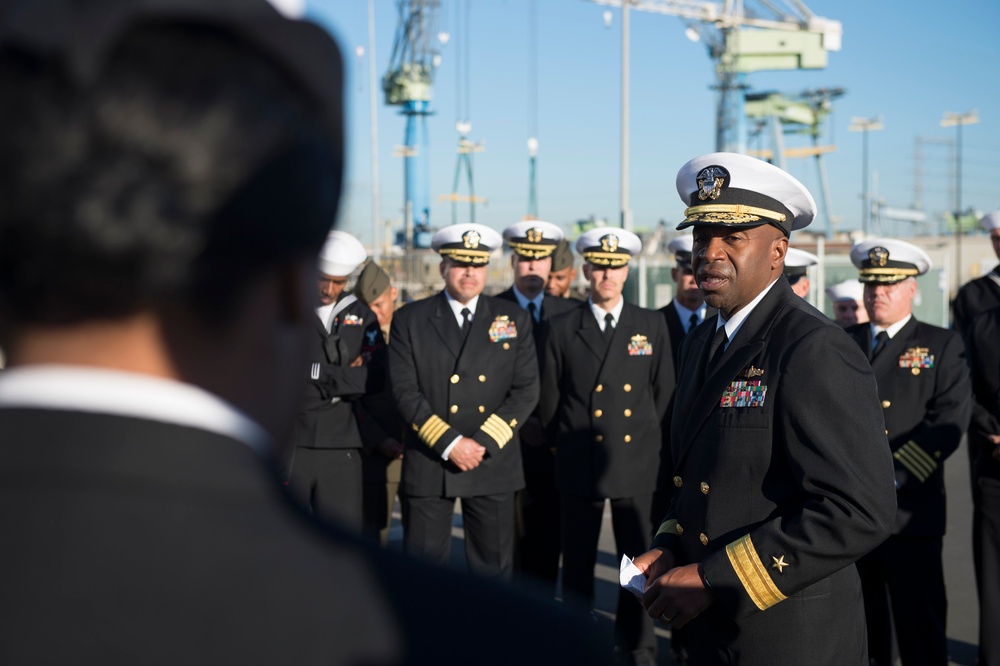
(886, 404)
(481, 409)
(704, 488)
(678, 481)
(628, 438)
(600, 387)
(628, 413)
(482, 378)
(915, 371)
(627, 387)
(506, 345)
(454, 409)
(599, 438)
(598, 413)
(679, 529)
(703, 538)
(454, 379)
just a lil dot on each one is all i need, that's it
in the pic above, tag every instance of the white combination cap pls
(990, 221)
(848, 290)
(341, 254)
(888, 260)
(467, 243)
(682, 246)
(608, 246)
(533, 239)
(733, 190)
(797, 262)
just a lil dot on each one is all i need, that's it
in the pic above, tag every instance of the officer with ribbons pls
(925, 394)
(464, 375)
(773, 501)
(607, 380)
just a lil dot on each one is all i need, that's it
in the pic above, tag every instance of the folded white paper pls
(631, 578)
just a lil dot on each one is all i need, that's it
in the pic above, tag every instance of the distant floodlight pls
(463, 127)
(436, 60)
(359, 51)
(289, 8)
(607, 16)
(532, 146)
(443, 37)
(693, 34)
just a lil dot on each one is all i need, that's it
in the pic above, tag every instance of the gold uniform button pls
(703, 538)
(482, 378)
(627, 387)
(599, 438)
(506, 345)
(915, 371)
(482, 409)
(598, 413)
(886, 404)
(454, 409)
(454, 379)
(704, 488)
(679, 529)
(599, 388)
(678, 481)
(628, 438)
(628, 413)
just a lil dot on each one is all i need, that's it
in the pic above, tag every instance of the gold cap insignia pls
(471, 239)
(609, 243)
(879, 256)
(711, 180)
(752, 372)
(534, 235)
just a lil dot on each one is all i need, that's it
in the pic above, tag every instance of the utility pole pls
(373, 110)
(959, 120)
(626, 213)
(865, 125)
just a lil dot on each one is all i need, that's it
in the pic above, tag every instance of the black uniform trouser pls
(581, 529)
(538, 518)
(328, 483)
(906, 575)
(986, 531)
(489, 531)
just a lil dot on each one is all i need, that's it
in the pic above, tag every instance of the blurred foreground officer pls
(797, 263)
(983, 293)
(847, 298)
(348, 362)
(688, 307)
(381, 428)
(464, 374)
(984, 442)
(537, 549)
(563, 273)
(184, 160)
(608, 378)
(923, 385)
(773, 501)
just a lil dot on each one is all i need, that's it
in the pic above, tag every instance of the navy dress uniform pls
(447, 384)
(773, 500)
(983, 293)
(682, 320)
(925, 394)
(604, 395)
(348, 362)
(537, 547)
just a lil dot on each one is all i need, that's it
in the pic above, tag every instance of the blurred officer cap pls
(888, 260)
(372, 283)
(797, 263)
(467, 243)
(341, 254)
(681, 247)
(608, 246)
(732, 190)
(848, 290)
(533, 239)
(990, 221)
(562, 256)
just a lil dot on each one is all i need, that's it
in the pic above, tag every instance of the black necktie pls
(466, 321)
(533, 310)
(882, 339)
(609, 327)
(716, 349)
(693, 321)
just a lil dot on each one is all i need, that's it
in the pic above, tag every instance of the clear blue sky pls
(909, 62)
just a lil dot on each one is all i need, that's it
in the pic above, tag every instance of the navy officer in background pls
(464, 374)
(797, 263)
(926, 398)
(607, 380)
(774, 500)
(687, 309)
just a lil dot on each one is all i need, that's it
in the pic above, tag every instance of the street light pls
(865, 125)
(958, 120)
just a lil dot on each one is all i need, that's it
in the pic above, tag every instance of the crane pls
(779, 35)
(408, 83)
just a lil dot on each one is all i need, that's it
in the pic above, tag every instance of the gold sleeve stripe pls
(498, 429)
(432, 430)
(752, 573)
(915, 459)
(668, 527)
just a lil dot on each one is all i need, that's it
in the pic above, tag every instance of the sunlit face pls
(888, 303)
(463, 281)
(330, 288)
(606, 283)
(849, 312)
(530, 275)
(995, 239)
(688, 293)
(560, 281)
(733, 265)
(384, 306)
